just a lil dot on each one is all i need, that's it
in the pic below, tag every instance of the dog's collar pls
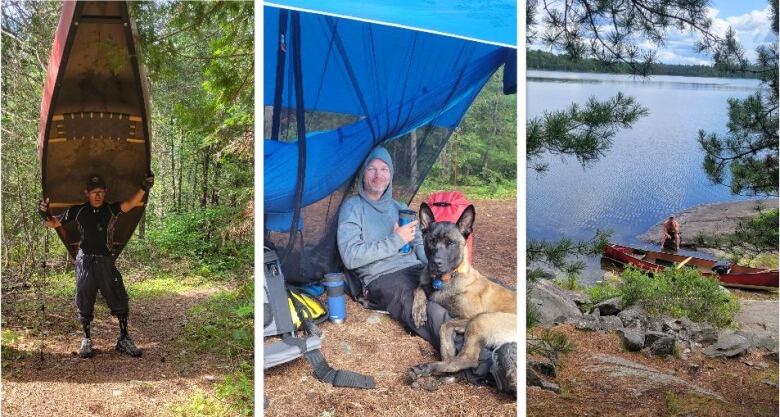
(440, 280)
(447, 277)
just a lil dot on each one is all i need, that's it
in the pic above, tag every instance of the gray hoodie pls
(365, 236)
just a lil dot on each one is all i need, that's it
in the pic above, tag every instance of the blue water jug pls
(337, 303)
(405, 217)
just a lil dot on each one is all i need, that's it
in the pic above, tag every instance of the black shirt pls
(96, 225)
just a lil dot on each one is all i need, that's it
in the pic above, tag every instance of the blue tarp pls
(393, 79)
(489, 21)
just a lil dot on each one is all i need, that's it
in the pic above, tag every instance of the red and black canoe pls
(729, 275)
(94, 113)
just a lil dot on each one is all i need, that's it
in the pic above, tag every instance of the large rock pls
(610, 323)
(663, 346)
(651, 336)
(702, 333)
(714, 219)
(552, 304)
(542, 366)
(532, 379)
(585, 322)
(638, 378)
(633, 339)
(633, 316)
(610, 307)
(729, 345)
(758, 322)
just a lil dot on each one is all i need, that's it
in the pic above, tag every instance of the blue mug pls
(337, 303)
(405, 217)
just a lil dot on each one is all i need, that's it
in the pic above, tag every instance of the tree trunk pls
(173, 171)
(178, 192)
(215, 184)
(205, 186)
(413, 158)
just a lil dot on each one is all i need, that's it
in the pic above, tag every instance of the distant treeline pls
(541, 60)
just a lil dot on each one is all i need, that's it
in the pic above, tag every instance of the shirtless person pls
(671, 230)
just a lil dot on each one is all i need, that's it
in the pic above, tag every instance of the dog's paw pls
(419, 371)
(419, 309)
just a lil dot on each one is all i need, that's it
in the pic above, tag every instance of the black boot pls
(125, 344)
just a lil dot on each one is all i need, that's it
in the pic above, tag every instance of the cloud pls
(752, 29)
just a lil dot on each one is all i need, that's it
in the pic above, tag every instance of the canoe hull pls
(741, 277)
(94, 114)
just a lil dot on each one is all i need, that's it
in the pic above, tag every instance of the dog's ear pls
(426, 217)
(466, 221)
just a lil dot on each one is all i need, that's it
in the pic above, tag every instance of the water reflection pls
(652, 170)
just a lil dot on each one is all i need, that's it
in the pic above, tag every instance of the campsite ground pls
(600, 378)
(168, 312)
(374, 344)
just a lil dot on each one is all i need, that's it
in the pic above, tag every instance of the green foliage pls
(162, 285)
(584, 132)
(550, 344)
(558, 255)
(482, 152)
(672, 403)
(502, 190)
(746, 157)
(754, 241)
(201, 404)
(238, 390)
(569, 282)
(222, 324)
(679, 293)
(201, 235)
(603, 291)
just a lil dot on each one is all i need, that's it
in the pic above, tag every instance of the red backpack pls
(447, 206)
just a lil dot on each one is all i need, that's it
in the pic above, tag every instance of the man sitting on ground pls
(370, 242)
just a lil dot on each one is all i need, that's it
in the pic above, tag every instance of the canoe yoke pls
(97, 125)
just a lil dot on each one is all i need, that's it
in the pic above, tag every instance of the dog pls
(486, 312)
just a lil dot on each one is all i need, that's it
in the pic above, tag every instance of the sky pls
(750, 20)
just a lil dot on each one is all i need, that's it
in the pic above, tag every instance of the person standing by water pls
(671, 230)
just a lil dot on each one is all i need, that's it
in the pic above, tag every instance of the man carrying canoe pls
(671, 230)
(95, 269)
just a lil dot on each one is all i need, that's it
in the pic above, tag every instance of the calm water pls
(652, 170)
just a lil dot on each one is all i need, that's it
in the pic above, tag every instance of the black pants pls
(95, 273)
(394, 293)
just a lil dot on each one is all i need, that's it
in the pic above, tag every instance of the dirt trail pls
(109, 384)
(374, 344)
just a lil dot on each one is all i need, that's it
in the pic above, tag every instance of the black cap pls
(95, 181)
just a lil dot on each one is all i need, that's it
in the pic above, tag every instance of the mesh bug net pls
(334, 89)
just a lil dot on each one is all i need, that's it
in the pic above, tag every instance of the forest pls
(547, 61)
(190, 263)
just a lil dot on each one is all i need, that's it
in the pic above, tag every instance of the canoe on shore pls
(94, 117)
(728, 275)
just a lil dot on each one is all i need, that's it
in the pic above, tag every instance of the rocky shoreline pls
(712, 219)
(756, 330)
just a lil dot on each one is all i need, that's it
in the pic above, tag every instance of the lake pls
(651, 171)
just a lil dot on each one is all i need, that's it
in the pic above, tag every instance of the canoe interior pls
(96, 116)
(738, 276)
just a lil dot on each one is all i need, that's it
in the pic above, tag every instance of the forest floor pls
(173, 375)
(601, 378)
(374, 344)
